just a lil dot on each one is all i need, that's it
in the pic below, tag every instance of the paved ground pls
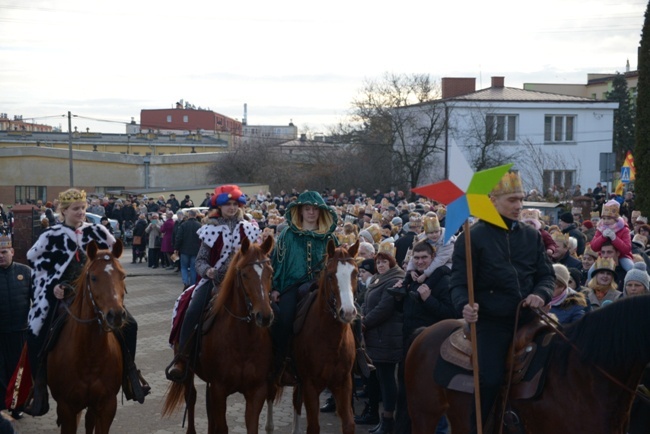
(150, 299)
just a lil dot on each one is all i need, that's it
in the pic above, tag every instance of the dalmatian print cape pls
(209, 234)
(49, 257)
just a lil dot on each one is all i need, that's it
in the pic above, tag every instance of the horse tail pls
(173, 397)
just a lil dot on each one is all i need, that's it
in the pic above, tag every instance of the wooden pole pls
(472, 326)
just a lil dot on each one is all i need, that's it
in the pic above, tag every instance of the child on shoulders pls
(613, 227)
(434, 235)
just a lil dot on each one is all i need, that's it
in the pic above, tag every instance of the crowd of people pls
(410, 274)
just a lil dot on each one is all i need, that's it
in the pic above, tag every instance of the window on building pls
(186, 118)
(501, 128)
(561, 179)
(169, 118)
(559, 128)
(30, 193)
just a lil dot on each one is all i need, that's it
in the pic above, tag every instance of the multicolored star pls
(474, 202)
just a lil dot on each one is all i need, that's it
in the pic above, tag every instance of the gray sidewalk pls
(150, 298)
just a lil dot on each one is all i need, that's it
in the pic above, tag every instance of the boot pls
(369, 416)
(387, 425)
(37, 401)
(329, 406)
(177, 370)
(134, 385)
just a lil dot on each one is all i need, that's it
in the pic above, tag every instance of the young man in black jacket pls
(509, 265)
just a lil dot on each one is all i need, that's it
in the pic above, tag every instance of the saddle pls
(302, 310)
(531, 351)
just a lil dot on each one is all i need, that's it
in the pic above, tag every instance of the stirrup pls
(35, 408)
(135, 387)
(171, 376)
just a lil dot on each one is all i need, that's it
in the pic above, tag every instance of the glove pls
(608, 233)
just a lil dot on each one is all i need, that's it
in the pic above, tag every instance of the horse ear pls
(118, 248)
(354, 249)
(267, 245)
(331, 247)
(245, 244)
(91, 250)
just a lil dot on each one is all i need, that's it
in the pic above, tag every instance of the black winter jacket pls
(15, 293)
(438, 306)
(382, 322)
(186, 240)
(508, 265)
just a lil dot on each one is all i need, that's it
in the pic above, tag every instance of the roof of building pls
(514, 94)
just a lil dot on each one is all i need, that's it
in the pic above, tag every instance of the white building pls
(552, 139)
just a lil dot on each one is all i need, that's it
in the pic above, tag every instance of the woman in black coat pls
(382, 325)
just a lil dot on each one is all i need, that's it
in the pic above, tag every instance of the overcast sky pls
(289, 60)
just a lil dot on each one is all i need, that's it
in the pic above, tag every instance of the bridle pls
(331, 298)
(100, 316)
(247, 301)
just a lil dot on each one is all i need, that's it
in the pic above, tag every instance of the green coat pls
(298, 254)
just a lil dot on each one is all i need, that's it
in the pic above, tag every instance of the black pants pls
(493, 341)
(11, 345)
(282, 328)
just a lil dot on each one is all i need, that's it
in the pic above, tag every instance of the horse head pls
(340, 279)
(103, 279)
(255, 275)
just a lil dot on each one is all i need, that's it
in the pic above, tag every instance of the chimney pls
(457, 86)
(498, 82)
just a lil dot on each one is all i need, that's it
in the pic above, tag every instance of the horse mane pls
(230, 280)
(615, 337)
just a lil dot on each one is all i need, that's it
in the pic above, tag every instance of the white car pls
(97, 219)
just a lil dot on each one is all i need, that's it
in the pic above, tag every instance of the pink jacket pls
(622, 243)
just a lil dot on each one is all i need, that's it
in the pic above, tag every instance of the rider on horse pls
(297, 260)
(57, 259)
(510, 265)
(220, 239)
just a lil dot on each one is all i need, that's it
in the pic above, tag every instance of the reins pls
(557, 328)
(247, 301)
(331, 302)
(100, 316)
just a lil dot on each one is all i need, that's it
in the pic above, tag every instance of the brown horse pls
(324, 349)
(84, 368)
(577, 396)
(236, 353)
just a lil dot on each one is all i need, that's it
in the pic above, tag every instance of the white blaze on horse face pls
(108, 269)
(344, 277)
(259, 268)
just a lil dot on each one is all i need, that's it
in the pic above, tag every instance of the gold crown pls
(387, 247)
(559, 237)
(375, 232)
(442, 212)
(510, 183)
(576, 210)
(5, 242)
(610, 209)
(604, 264)
(529, 214)
(415, 217)
(594, 215)
(72, 195)
(430, 224)
(376, 217)
(589, 251)
(348, 239)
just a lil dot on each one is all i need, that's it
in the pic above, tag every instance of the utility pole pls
(70, 148)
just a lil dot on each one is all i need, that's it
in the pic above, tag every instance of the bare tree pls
(539, 161)
(485, 138)
(400, 114)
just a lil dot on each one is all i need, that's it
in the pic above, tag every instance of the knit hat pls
(368, 265)
(396, 221)
(576, 275)
(611, 209)
(588, 224)
(639, 274)
(567, 217)
(562, 274)
(510, 183)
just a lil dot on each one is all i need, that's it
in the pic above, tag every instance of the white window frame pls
(559, 128)
(504, 126)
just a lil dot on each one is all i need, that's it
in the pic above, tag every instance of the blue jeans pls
(188, 272)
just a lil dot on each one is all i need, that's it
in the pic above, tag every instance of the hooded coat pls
(307, 248)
